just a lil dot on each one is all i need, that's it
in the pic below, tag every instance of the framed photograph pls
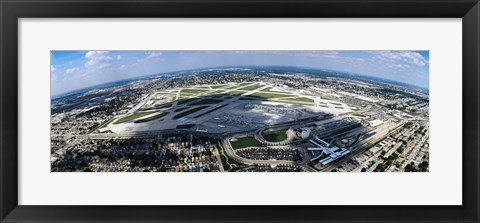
(239, 111)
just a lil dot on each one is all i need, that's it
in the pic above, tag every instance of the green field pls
(292, 102)
(133, 116)
(334, 103)
(185, 113)
(193, 91)
(338, 107)
(202, 88)
(207, 102)
(275, 136)
(301, 99)
(151, 118)
(245, 142)
(252, 87)
(220, 86)
(267, 89)
(270, 95)
(182, 95)
(232, 87)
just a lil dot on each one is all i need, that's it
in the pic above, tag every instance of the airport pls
(250, 126)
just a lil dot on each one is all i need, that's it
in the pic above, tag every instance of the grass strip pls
(151, 118)
(133, 116)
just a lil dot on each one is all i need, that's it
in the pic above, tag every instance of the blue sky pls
(72, 70)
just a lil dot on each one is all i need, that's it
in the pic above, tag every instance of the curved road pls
(231, 153)
(259, 137)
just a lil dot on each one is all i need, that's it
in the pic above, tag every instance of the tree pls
(380, 167)
(410, 168)
(423, 166)
(208, 152)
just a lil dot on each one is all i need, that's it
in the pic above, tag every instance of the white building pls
(376, 122)
(305, 133)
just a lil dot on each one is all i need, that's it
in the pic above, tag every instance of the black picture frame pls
(12, 10)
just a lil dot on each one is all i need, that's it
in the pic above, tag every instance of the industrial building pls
(376, 122)
(324, 152)
(328, 155)
(335, 127)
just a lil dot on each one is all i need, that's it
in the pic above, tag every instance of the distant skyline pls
(73, 70)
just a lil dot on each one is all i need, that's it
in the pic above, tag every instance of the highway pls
(380, 133)
(219, 160)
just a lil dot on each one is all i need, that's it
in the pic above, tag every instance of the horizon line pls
(65, 93)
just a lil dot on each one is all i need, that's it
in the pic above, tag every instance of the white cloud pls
(153, 54)
(398, 66)
(52, 74)
(103, 65)
(71, 70)
(402, 66)
(123, 67)
(408, 57)
(119, 57)
(312, 53)
(91, 54)
(150, 56)
(98, 59)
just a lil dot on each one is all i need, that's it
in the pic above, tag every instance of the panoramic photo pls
(239, 111)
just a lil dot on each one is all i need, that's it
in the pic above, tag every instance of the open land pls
(243, 120)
